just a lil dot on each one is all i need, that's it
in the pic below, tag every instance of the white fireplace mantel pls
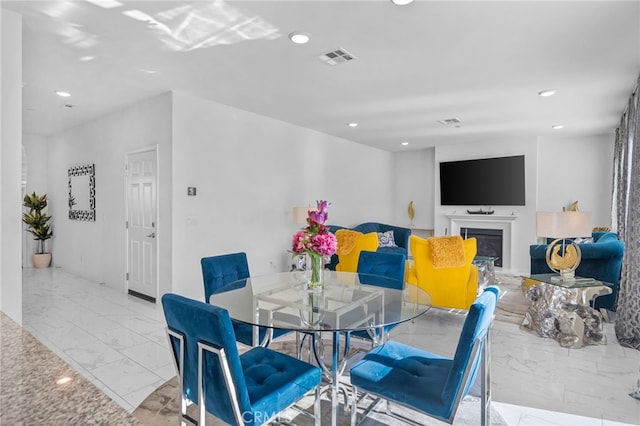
(483, 217)
(486, 221)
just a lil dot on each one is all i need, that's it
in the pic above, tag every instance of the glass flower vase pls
(315, 267)
(313, 312)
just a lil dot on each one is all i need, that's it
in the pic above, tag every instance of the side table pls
(486, 271)
(561, 310)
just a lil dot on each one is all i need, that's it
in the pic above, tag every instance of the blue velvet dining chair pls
(391, 266)
(430, 383)
(248, 389)
(218, 274)
(383, 270)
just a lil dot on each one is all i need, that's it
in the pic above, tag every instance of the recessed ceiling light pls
(557, 127)
(546, 93)
(298, 37)
(63, 94)
(405, 143)
(87, 58)
(352, 124)
(401, 2)
(147, 71)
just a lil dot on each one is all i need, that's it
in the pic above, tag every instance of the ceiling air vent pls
(336, 57)
(449, 121)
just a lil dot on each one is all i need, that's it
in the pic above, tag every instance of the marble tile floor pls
(118, 343)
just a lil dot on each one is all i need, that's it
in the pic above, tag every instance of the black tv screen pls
(483, 182)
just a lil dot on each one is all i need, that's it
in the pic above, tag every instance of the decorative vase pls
(316, 280)
(313, 312)
(41, 260)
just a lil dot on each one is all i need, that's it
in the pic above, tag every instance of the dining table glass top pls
(349, 301)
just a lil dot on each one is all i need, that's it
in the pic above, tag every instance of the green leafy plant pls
(36, 219)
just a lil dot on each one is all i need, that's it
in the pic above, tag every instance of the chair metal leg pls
(178, 363)
(354, 405)
(485, 376)
(317, 406)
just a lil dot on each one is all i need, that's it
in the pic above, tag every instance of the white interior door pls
(142, 232)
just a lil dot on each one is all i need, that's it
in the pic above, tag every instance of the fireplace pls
(483, 222)
(489, 242)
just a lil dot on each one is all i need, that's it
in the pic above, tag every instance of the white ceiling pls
(482, 62)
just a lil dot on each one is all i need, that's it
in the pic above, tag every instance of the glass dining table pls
(347, 302)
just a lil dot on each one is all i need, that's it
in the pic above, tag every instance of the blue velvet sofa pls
(400, 236)
(601, 260)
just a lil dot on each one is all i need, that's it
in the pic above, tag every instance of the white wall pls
(250, 171)
(36, 149)
(559, 170)
(96, 250)
(10, 165)
(581, 169)
(414, 181)
(523, 228)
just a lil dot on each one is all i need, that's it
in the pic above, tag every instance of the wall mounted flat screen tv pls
(483, 182)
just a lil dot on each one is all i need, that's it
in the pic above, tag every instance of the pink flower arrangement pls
(315, 238)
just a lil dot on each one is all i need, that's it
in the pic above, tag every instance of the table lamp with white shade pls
(563, 258)
(300, 215)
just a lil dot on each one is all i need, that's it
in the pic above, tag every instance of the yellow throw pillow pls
(601, 229)
(447, 252)
(346, 239)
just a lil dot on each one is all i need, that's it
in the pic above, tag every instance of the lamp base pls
(563, 259)
(566, 275)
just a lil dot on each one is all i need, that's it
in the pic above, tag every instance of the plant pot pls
(41, 260)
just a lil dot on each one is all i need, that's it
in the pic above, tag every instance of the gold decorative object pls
(573, 207)
(411, 211)
(569, 260)
(561, 257)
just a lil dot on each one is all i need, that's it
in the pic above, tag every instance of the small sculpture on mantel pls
(573, 207)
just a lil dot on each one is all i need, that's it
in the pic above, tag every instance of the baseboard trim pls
(142, 296)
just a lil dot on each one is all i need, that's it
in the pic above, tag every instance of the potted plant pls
(37, 223)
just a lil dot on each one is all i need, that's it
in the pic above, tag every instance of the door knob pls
(152, 235)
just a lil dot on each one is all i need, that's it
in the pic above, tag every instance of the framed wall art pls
(82, 192)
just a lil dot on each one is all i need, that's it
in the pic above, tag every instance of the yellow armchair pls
(443, 267)
(350, 244)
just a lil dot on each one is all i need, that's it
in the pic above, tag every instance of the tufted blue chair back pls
(428, 382)
(475, 328)
(201, 322)
(247, 389)
(390, 266)
(218, 271)
(383, 270)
